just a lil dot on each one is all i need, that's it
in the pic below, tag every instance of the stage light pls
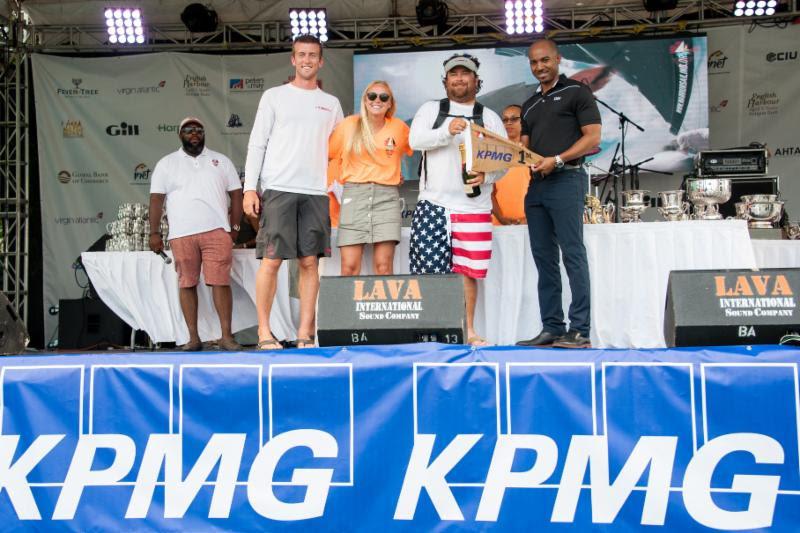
(757, 8)
(524, 16)
(199, 18)
(309, 21)
(121, 23)
(432, 13)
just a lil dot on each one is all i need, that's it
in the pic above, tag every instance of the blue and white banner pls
(413, 438)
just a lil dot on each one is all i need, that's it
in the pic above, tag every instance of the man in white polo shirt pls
(197, 184)
(287, 159)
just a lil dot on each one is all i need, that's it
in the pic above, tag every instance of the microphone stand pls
(623, 122)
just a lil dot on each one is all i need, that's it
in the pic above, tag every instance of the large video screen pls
(660, 84)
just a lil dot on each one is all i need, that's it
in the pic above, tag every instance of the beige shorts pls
(370, 213)
(213, 250)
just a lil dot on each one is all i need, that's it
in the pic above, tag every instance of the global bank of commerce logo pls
(82, 177)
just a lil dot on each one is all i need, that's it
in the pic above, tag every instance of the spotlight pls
(309, 21)
(524, 16)
(120, 23)
(199, 18)
(757, 8)
(432, 13)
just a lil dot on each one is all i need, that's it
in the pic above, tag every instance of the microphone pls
(167, 259)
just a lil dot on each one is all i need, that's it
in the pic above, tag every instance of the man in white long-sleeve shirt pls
(451, 231)
(287, 156)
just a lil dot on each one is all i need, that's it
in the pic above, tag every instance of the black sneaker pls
(573, 339)
(542, 340)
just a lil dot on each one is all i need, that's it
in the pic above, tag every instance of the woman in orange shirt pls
(370, 146)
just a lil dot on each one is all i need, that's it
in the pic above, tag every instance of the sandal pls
(269, 344)
(477, 340)
(306, 343)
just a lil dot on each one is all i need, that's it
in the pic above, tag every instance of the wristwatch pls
(236, 227)
(559, 162)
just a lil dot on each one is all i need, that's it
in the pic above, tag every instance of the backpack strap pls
(444, 113)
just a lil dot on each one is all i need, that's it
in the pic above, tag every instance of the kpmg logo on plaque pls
(772, 57)
(716, 62)
(719, 107)
(763, 104)
(787, 151)
(72, 129)
(196, 85)
(246, 84)
(123, 129)
(168, 128)
(141, 175)
(82, 177)
(150, 89)
(77, 91)
(390, 299)
(90, 219)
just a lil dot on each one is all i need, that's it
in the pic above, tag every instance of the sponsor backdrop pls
(103, 124)
(378, 439)
(753, 97)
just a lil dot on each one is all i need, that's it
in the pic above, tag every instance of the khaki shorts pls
(293, 225)
(370, 213)
(211, 249)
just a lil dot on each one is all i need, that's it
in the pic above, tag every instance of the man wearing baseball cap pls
(198, 186)
(451, 230)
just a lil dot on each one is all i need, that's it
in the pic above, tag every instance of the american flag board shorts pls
(443, 242)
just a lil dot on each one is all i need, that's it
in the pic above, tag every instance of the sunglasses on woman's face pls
(383, 96)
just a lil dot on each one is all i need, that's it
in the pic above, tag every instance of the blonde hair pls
(363, 138)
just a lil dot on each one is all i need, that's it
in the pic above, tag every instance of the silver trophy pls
(673, 207)
(706, 194)
(633, 205)
(764, 215)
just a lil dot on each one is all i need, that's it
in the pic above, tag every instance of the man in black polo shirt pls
(560, 121)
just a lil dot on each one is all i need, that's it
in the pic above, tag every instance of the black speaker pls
(13, 335)
(85, 323)
(749, 185)
(724, 307)
(660, 5)
(390, 310)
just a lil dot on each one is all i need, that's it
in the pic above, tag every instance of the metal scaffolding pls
(396, 32)
(14, 168)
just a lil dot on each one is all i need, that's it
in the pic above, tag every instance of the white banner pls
(754, 94)
(103, 123)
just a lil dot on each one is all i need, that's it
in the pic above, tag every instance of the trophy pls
(596, 213)
(673, 207)
(705, 194)
(633, 205)
(762, 211)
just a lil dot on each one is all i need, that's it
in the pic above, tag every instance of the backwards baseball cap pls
(467, 61)
(189, 120)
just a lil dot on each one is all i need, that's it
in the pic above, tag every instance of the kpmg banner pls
(414, 438)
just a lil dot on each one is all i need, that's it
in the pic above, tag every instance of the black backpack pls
(444, 112)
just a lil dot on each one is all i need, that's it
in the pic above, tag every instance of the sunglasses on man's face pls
(188, 130)
(383, 96)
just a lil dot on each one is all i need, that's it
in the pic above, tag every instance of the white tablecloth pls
(777, 254)
(629, 266)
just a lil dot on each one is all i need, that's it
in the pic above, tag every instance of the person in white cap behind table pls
(451, 231)
(198, 184)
